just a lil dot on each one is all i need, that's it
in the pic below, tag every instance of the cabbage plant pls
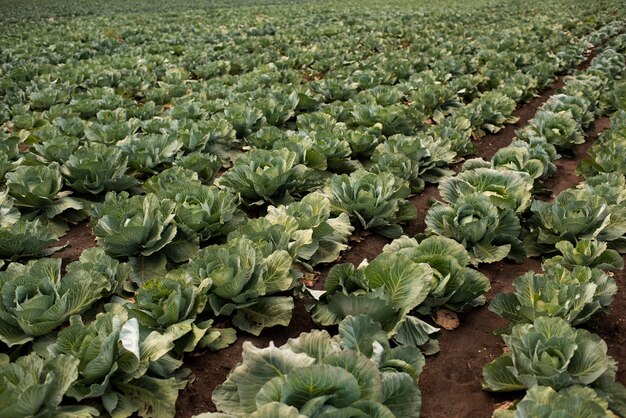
(393, 119)
(95, 168)
(171, 305)
(57, 148)
(495, 110)
(208, 211)
(488, 234)
(605, 157)
(588, 253)
(353, 374)
(34, 386)
(204, 164)
(24, 239)
(545, 402)
(126, 365)
(276, 177)
(38, 189)
(455, 285)
(149, 153)
(171, 181)
(574, 214)
(412, 159)
(199, 209)
(36, 298)
(575, 295)
(577, 105)
(539, 149)
(511, 158)
(559, 129)
(386, 290)
(142, 226)
(328, 234)
(374, 201)
(610, 186)
(549, 352)
(244, 281)
(507, 190)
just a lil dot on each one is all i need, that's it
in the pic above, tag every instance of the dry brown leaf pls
(360, 236)
(447, 319)
(504, 406)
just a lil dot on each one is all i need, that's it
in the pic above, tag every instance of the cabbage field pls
(275, 208)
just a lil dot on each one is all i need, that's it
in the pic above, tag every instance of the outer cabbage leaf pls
(8, 214)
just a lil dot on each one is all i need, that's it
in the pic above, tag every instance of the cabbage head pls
(36, 298)
(548, 352)
(455, 285)
(33, 386)
(373, 201)
(545, 402)
(353, 374)
(487, 233)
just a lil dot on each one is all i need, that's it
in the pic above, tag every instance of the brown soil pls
(78, 238)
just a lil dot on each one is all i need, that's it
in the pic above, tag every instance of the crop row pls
(569, 370)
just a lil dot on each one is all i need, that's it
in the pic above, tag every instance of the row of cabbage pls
(413, 277)
(567, 370)
(130, 321)
(118, 149)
